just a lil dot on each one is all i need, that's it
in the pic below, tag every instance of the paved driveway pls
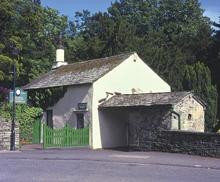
(82, 164)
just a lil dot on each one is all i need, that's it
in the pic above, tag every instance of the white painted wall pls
(115, 120)
(129, 75)
(64, 109)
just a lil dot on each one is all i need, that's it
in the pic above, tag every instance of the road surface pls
(85, 165)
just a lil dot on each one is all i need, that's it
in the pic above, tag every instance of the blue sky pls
(69, 7)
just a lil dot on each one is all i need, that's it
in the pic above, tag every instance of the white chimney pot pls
(59, 59)
(60, 55)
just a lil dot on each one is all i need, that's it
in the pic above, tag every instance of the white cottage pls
(88, 84)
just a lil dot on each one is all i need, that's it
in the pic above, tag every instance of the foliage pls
(5, 112)
(33, 31)
(4, 92)
(214, 64)
(25, 116)
(197, 77)
(46, 97)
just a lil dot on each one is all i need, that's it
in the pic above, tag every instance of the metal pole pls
(12, 147)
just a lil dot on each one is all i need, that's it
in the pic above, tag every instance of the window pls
(50, 118)
(189, 116)
(80, 120)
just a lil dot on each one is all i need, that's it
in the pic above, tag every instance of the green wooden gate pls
(65, 137)
(36, 133)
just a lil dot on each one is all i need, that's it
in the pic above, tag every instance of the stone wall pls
(192, 114)
(5, 135)
(203, 144)
(147, 118)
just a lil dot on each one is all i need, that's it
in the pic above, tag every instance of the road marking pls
(130, 156)
(197, 165)
(9, 152)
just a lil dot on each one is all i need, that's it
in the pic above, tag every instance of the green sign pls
(20, 96)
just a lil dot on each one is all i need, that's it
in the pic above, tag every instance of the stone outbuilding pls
(179, 111)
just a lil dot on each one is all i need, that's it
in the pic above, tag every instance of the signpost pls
(15, 52)
(20, 96)
(17, 96)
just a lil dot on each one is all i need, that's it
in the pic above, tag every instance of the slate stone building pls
(116, 97)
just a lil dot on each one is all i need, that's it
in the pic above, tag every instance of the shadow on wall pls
(122, 127)
(113, 128)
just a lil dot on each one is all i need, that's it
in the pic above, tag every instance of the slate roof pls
(77, 73)
(145, 99)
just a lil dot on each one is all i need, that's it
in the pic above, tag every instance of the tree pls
(38, 2)
(197, 77)
(214, 63)
(33, 30)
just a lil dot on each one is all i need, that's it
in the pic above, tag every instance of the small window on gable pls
(189, 116)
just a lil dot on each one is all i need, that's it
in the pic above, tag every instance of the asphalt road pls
(84, 165)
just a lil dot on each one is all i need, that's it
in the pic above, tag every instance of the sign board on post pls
(20, 96)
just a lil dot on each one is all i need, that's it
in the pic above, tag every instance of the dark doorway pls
(80, 120)
(50, 118)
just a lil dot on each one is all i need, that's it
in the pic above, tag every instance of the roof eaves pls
(182, 97)
(55, 86)
(201, 101)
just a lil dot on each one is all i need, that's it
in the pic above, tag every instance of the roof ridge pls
(90, 60)
(157, 93)
(147, 99)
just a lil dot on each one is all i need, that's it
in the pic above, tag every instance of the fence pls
(65, 137)
(36, 133)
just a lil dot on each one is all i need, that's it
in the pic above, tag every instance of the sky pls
(69, 7)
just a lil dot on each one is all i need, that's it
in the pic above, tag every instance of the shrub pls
(25, 116)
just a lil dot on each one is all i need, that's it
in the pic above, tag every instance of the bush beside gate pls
(65, 137)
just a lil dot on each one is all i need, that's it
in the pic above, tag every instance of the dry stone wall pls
(5, 135)
(193, 143)
(142, 120)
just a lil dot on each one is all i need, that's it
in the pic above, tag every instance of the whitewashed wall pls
(114, 120)
(132, 74)
(63, 110)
